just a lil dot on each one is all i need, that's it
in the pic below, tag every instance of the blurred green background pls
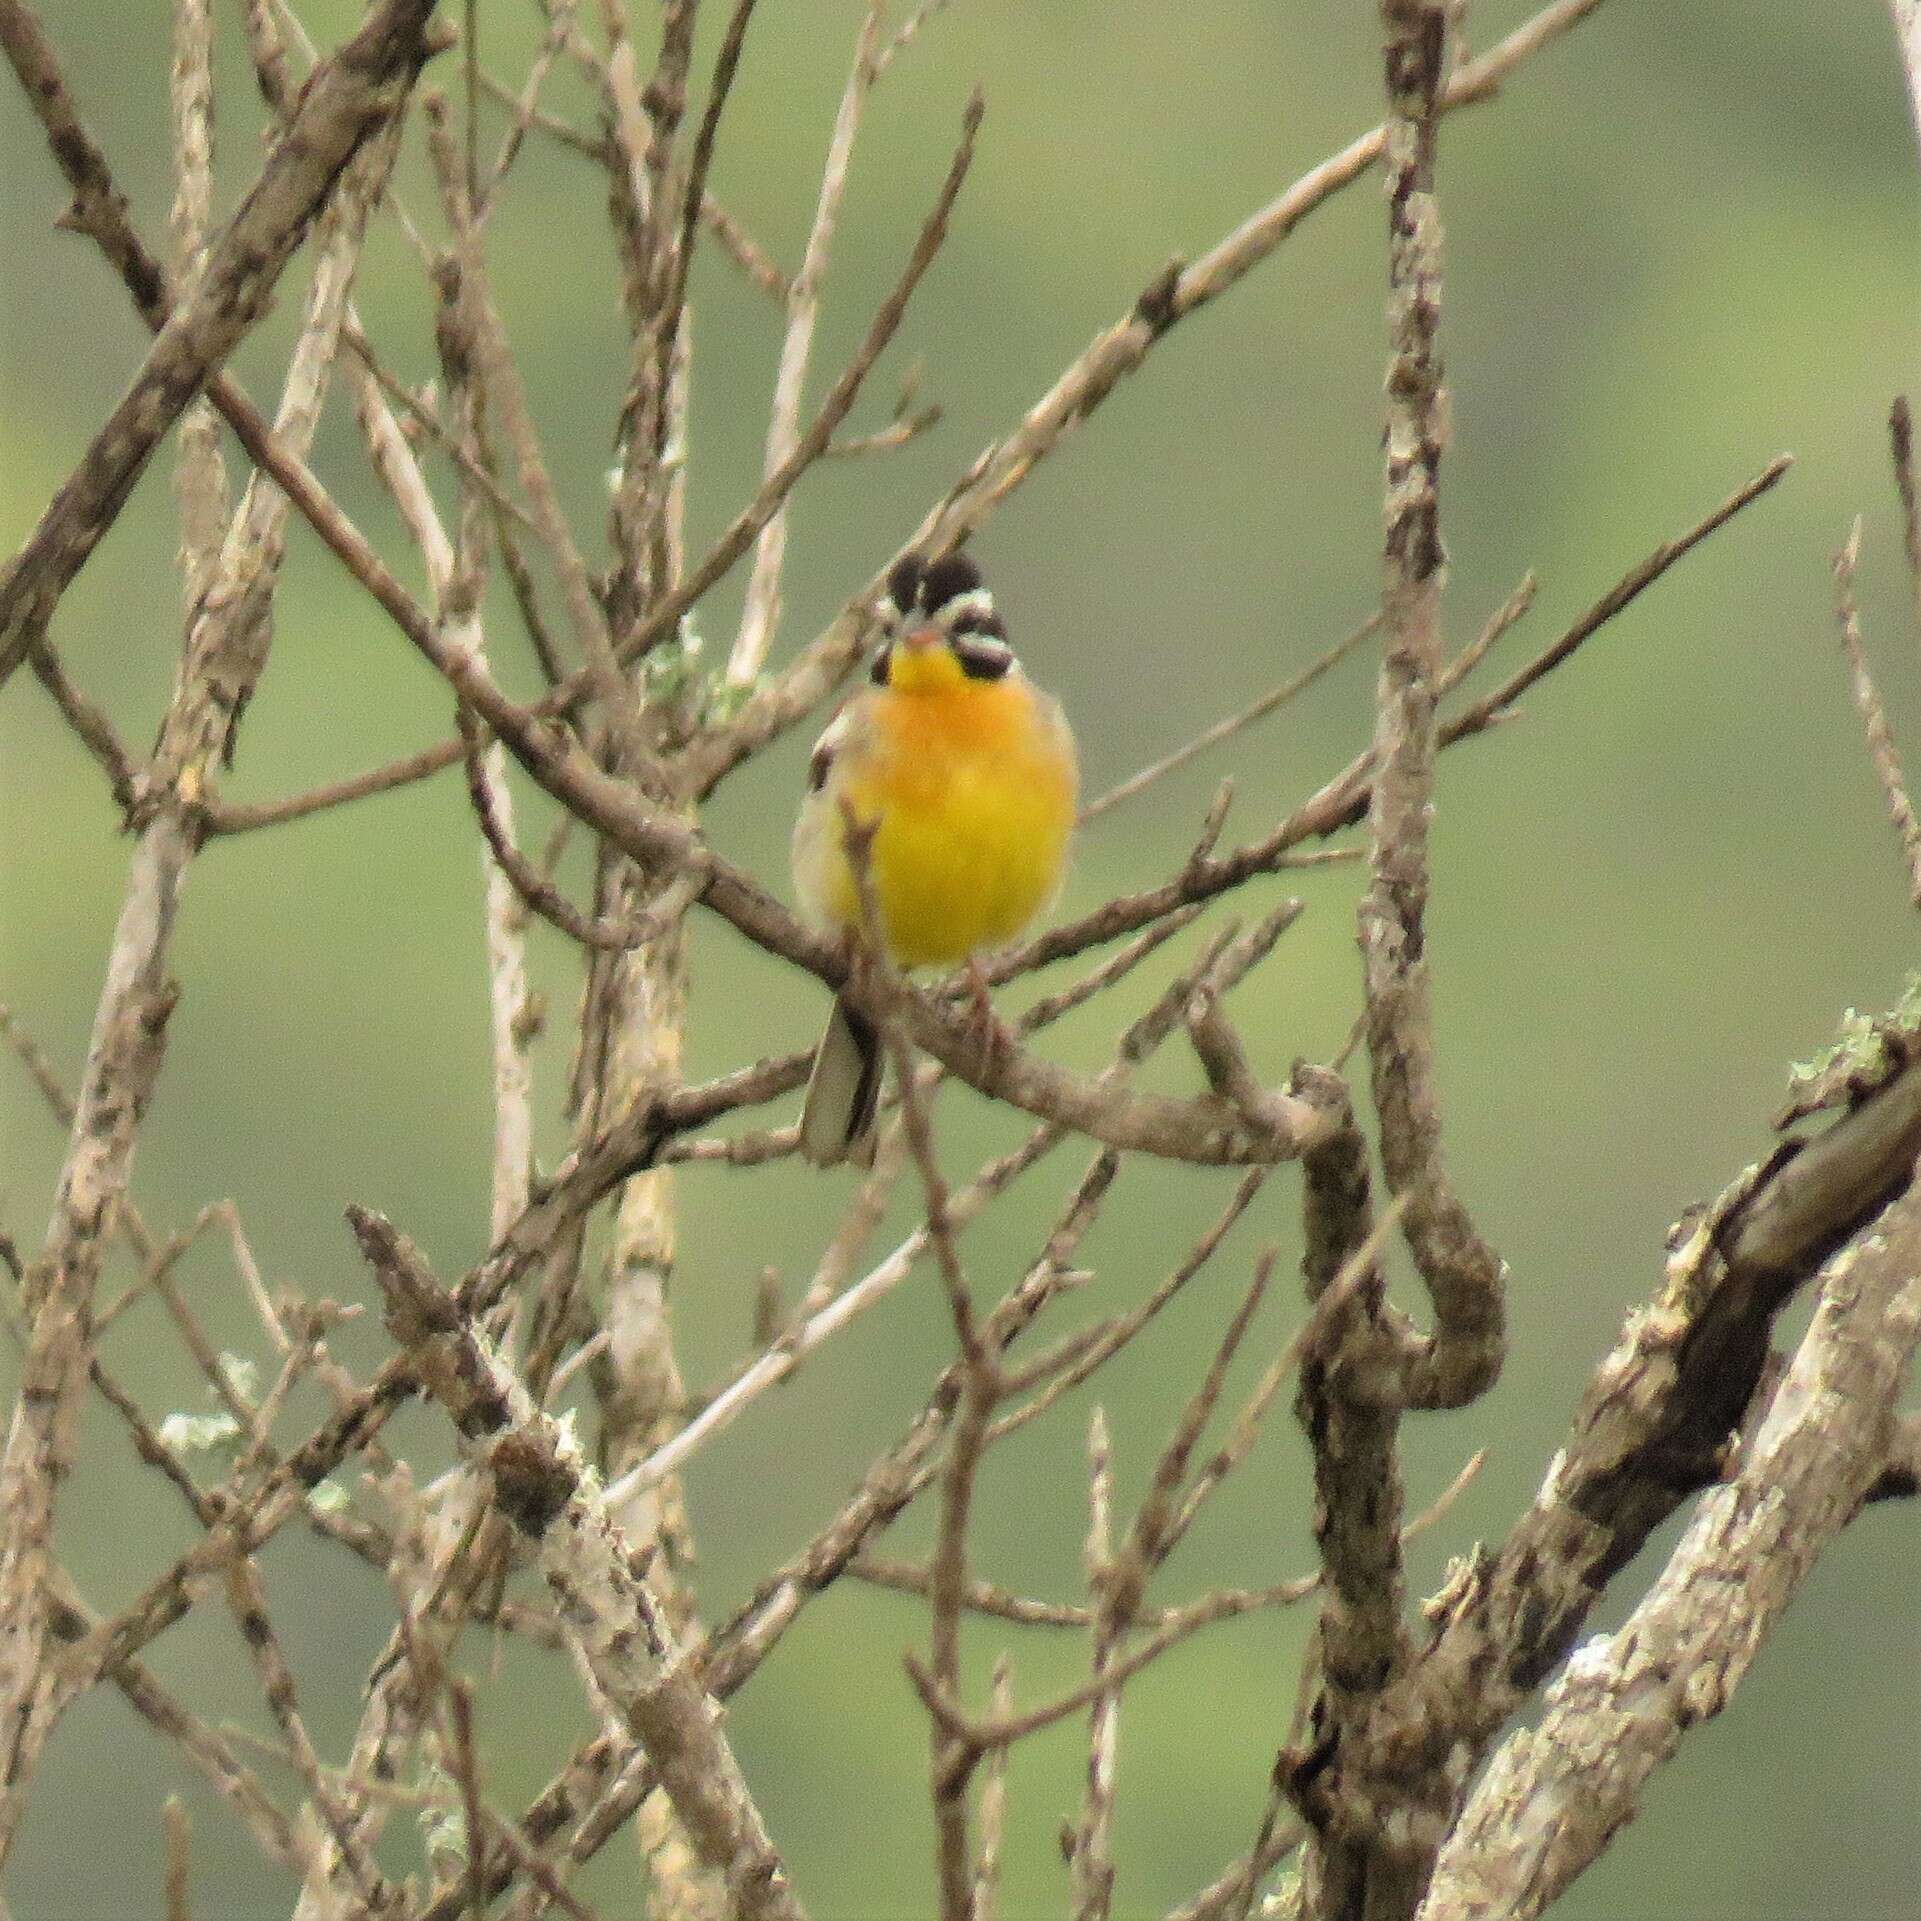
(1684, 240)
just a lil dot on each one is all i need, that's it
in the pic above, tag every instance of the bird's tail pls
(843, 1092)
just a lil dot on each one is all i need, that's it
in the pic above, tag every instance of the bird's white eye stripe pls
(977, 600)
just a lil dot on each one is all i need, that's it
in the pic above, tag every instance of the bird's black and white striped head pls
(943, 602)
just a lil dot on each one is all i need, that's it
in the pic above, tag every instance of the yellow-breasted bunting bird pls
(965, 773)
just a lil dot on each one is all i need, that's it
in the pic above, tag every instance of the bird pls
(963, 778)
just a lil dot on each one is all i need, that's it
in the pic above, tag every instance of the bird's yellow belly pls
(971, 839)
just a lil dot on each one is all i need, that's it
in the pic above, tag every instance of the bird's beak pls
(919, 639)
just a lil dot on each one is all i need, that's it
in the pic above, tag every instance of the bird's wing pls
(817, 856)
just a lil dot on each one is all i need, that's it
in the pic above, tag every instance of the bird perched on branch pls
(959, 776)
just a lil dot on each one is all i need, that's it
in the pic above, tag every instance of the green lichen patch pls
(1869, 1051)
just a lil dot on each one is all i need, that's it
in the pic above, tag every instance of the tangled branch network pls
(1397, 1790)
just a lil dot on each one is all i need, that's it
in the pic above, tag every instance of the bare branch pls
(498, 375)
(99, 210)
(247, 1600)
(985, 1895)
(1654, 1424)
(224, 653)
(487, 792)
(747, 524)
(825, 661)
(1108, 1340)
(204, 1747)
(540, 1484)
(1907, 32)
(1344, 800)
(179, 1859)
(1478, 714)
(1555, 1796)
(1874, 717)
(762, 610)
(347, 99)
(1090, 1864)
(1083, 386)
(1463, 1274)
(1901, 447)
(200, 477)
(1226, 729)
(88, 721)
(243, 818)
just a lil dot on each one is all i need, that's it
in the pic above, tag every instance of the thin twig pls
(1155, 1531)
(228, 817)
(1874, 717)
(1343, 800)
(89, 722)
(1116, 1334)
(1091, 1862)
(1233, 724)
(694, 199)
(1477, 715)
(247, 1600)
(985, 1897)
(607, 933)
(526, 105)
(848, 1303)
(499, 376)
(746, 525)
(1901, 447)
(761, 613)
(179, 1859)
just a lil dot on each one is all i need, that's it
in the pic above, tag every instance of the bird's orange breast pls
(972, 786)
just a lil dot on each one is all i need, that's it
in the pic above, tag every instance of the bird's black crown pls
(914, 585)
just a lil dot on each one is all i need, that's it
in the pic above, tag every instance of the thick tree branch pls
(1655, 1425)
(1463, 1274)
(1351, 1428)
(1557, 1795)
